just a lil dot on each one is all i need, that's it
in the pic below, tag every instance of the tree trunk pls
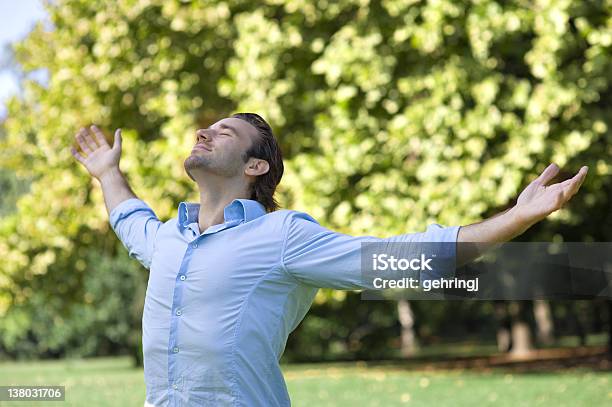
(135, 335)
(503, 326)
(406, 319)
(544, 322)
(520, 331)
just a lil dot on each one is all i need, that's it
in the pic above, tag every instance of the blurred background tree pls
(392, 114)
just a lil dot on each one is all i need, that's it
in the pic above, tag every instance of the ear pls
(256, 166)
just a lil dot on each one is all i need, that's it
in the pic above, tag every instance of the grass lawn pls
(113, 382)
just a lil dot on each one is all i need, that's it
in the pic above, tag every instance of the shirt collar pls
(242, 210)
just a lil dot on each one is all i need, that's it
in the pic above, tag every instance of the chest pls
(213, 268)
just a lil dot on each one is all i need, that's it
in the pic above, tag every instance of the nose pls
(204, 134)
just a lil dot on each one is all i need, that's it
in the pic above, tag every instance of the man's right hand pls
(99, 158)
(102, 162)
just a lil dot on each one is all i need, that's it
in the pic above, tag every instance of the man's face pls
(219, 149)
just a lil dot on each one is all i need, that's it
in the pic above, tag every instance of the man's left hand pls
(539, 200)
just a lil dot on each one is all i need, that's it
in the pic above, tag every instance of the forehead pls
(239, 126)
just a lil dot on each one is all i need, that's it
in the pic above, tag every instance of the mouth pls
(201, 147)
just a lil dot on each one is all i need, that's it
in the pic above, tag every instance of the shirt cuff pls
(126, 208)
(448, 236)
(445, 234)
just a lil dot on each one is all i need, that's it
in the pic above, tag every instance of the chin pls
(190, 163)
(193, 158)
(196, 162)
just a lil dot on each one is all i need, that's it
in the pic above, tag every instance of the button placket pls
(173, 356)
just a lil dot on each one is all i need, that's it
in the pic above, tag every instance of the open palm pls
(99, 156)
(539, 200)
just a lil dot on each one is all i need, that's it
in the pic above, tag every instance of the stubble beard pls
(195, 162)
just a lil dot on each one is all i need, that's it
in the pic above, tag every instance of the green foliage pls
(393, 114)
(75, 308)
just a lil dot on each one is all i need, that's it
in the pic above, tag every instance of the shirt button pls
(178, 312)
(175, 349)
(182, 277)
(175, 386)
(194, 245)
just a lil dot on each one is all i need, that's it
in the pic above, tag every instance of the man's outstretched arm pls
(102, 163)
(535, 203)
(133, 220)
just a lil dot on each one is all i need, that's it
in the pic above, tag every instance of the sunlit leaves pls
(391, 114)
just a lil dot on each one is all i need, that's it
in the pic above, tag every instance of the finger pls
(548, 174)
(579, 178)
(99, 136)
(90, 141)
(572, 185)
(80, 137)
(117, 141)
(584, 175)
(77, 155)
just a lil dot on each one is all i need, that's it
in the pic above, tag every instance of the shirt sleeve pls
(136, 225)
(323, 258)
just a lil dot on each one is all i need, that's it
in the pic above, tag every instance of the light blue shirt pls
(220, 305)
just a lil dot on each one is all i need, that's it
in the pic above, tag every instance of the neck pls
(215, 196)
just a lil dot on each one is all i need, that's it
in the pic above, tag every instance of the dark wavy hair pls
(264, 148)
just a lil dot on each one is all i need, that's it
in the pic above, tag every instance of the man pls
(231, 277)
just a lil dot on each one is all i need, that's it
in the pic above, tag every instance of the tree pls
(392, 114)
